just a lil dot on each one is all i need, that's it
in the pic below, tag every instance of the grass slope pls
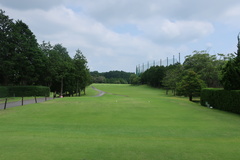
(134, 122)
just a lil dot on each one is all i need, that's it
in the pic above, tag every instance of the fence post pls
(5, 106)
(22, 101)
(35, 99)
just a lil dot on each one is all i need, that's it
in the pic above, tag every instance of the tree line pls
(25, 62)
(199, 70)
(114, 77)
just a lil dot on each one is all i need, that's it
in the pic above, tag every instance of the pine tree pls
(231, 72)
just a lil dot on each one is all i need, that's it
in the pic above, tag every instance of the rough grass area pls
(131, 123)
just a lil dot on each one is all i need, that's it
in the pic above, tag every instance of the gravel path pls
(25, 102)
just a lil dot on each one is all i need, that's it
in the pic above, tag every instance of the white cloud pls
(30, 4)
(176, 31)
(153, 29)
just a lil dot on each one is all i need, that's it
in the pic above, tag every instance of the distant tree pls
(190, 85)
(231, 72)
(173, 76)
(134, 79)
(47, 74)
(153, 76)
(60, 66)
(111, 77)
(205, 65)
(82, 75)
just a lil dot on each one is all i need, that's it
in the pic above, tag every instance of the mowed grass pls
(128, 123)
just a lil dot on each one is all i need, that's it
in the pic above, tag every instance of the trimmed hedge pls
(3, 91)
(221, 99)
(24, 91)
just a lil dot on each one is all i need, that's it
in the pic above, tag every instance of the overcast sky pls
(120, 34)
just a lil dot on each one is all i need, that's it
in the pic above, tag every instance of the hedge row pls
(3, 91)
(24, 91)
(221, 99)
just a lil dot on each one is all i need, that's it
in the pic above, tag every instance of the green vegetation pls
(231, 72)
(221, 99)
(190, 85)
(134, 122)
(114, 77)
(25, 62)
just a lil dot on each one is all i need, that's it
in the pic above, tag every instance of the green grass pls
(132, 123)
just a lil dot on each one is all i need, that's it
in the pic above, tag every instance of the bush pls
(3, 91)
(24, 91)
(221, 99)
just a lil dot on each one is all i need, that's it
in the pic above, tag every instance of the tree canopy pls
(231, 72)
(25, 62)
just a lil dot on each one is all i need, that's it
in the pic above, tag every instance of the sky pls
(121, 34)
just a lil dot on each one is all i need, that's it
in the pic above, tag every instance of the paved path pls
(101, 93)
(25, 102)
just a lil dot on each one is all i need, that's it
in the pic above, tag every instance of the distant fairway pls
(127, 123)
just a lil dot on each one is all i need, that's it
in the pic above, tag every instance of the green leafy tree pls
(205, 65)
(28, 58)
(6, 49)
(82, 75)
(134, 79)
(153, 76)
(190, 85)
(231, 72)
(172, 77)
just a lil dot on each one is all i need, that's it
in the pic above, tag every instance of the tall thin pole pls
(167, 61)
(173, 59)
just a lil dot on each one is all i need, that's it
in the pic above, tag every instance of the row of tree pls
(25, 62)
(198, 71)
(115, 77)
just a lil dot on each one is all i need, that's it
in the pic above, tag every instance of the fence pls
(22, 101)
(169, 61)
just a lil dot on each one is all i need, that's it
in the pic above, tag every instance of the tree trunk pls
(190, 97)
(166, 91)
(61, 87)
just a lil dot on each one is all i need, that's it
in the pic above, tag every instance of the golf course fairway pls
(126, 123)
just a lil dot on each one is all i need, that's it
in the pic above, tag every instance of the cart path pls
(101, 93)
(25, 102)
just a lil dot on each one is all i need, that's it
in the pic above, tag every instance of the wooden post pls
(35, 99)
(5, 106)
(22, 101)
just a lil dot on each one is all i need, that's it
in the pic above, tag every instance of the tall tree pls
(6, 54)
(82, 74)
(60, 66)
(28, 58)
(154, 76)
(231, 72)
(173, 76)
(205, 65)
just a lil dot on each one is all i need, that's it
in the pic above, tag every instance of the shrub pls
(3, 91)
(24, 91)
(221, 99)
